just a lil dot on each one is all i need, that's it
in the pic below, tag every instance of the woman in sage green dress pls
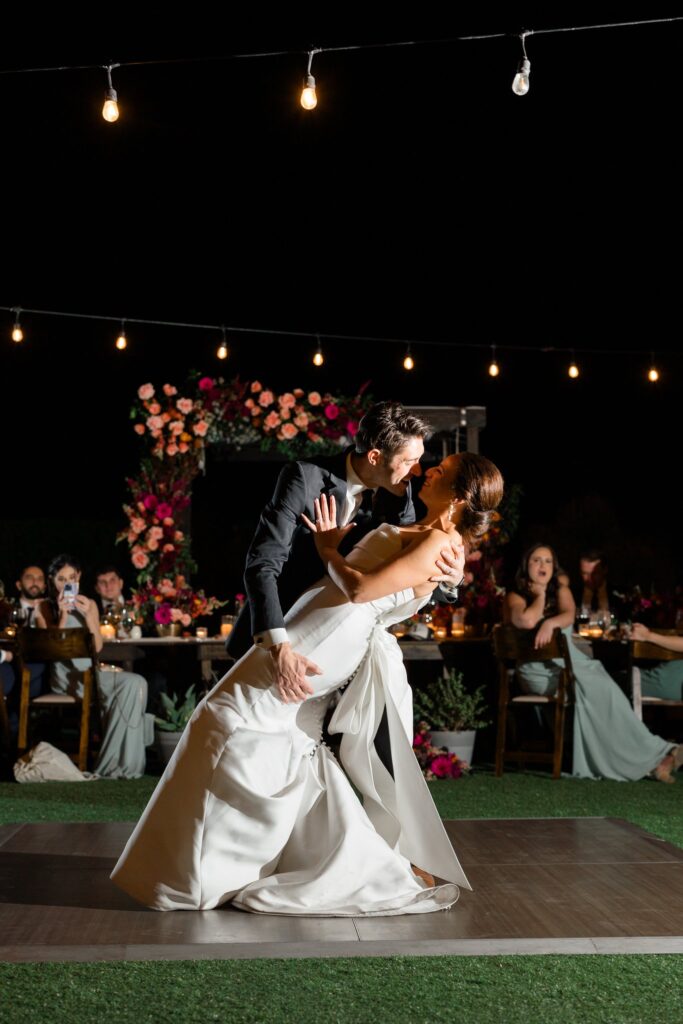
(122, 695)
(664, 680)
(609, 741)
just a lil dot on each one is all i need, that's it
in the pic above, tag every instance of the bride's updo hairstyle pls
(480, 484)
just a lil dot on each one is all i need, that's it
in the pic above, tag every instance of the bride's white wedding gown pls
(253, 808)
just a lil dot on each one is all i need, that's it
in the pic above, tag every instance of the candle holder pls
(201, 632)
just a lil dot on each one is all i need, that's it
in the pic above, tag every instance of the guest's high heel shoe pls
(677, 754)
(663, 770)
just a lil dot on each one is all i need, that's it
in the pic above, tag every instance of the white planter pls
(165, 743)
(460, 743)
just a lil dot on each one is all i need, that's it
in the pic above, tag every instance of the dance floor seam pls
(541, 886)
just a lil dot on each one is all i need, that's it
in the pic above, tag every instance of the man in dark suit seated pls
(31, 587)
(371, 484)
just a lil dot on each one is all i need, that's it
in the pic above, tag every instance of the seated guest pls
(609, 741)
(664, 680)
(110, 599)
(593, 570)
(109, 590)
(122, 695)
(31, 587)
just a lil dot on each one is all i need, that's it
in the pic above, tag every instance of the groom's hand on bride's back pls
(291, 669)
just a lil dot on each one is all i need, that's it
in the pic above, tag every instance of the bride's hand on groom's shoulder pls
(451, 563)
(326, 534)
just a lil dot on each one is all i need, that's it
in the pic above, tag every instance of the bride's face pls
(437, 489)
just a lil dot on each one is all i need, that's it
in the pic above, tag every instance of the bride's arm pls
(410, 567)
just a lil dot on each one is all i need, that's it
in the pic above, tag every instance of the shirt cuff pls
(269, 637)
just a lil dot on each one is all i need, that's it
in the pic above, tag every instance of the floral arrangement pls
(171, 600)
(436, 762)
(295, 423)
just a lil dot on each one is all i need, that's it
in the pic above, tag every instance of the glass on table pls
(227, 624)
(583, 620)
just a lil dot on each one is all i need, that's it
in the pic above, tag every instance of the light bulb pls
(121, 341)
(110, 110)
(309, 99)
(494, 368)
(408, 362)
(653, 374)
(573, 371)
(520, 83)
(318, 358)
(17, 333)
(222, 352)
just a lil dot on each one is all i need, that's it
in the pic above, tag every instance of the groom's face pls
(394, 472)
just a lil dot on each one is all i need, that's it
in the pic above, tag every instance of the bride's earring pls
(451, 510)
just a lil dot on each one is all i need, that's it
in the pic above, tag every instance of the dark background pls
(421, 200)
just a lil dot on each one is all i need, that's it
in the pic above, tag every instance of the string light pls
(110, 110)
(520, 83)
(309, 98)
(573, 370)
(653, 372)
(318, 358)
(222, 352)
(408, 362)
(17, 333)
(494, 368)
(122, 340)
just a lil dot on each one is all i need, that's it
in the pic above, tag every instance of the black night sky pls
(422, 200)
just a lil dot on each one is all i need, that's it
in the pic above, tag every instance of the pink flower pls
(139, 558)
(155, 533)
(301, 420)
(272, 420)
(179, 535)
(139, 428)
(185, 619)
(285, 413)
(177, 427)
(287, 400)
(137, 524)
(250, 403)
(168, 520)
(176, 614)
(145, 392)
(164, 510)
(162, 615)
(171, 449)
(154, 408)
(206, 383)
(201, 428)
(170, 390)
(441, 767)
(352, 427)
(255, 386)
(152, 545)
(314, 398)
(298, 392)
(287, 432)
(266, 398)
(168, 547)
(419, 739)
(331, 411)
(150, 502)
(185, 406)
(155, 423)
(312, 436)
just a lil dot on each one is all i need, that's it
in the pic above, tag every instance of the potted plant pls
(452, 713)
(169, 726)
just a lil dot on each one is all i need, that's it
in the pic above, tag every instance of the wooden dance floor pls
(542, 885)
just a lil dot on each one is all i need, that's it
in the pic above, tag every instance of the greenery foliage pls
(446, 705)
(176, 716)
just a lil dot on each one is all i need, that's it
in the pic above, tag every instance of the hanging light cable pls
(222, 352)
(309, 98)
(110, 110)
(573, 370)
(408, 362)
(653, 372)
(122, 340)
(520, 83)
(494, 368)
(318, 358)
(17, 332)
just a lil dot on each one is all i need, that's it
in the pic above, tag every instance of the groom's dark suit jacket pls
(282, 560)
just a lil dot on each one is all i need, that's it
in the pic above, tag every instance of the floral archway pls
(176, 428)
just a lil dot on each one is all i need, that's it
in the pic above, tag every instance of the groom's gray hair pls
(388, 426)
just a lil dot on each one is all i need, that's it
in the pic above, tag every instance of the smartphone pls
(69, 593)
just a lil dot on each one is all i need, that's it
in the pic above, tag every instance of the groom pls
(371, 484)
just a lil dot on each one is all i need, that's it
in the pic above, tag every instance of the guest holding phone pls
(122, 695)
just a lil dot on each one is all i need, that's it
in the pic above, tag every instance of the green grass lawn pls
(481, 990)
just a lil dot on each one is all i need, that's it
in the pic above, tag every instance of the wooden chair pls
(49, 645)
(513, 647)
(642, 651)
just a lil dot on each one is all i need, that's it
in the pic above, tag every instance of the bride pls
(253, 808)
